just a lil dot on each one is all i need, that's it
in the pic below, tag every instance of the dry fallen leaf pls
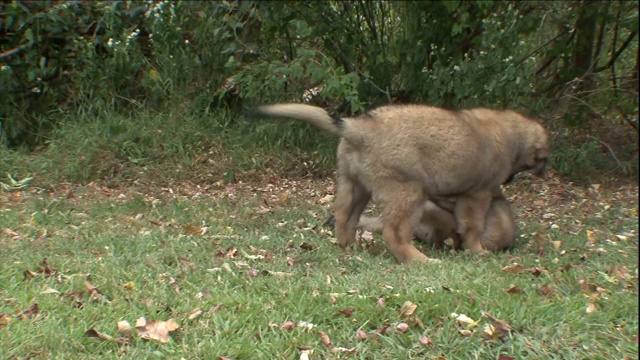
(5, 319)
(514, 268)
(305, 324)
(194, 230)
(465, 332)
(287, 325)
(195, 313)
(93, 333)
(407, 309)
(343, 350)
(50, 291)
(124, 327)
(325, 339)
(30, 313)
(464, 320)
(499, 328)
(514, 290)
(346, 312)
(307, 246)
(276, 274)
(546, 290)
(156, 329)
(361, 335)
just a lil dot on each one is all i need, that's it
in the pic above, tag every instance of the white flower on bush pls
(133, 35)
(155, 9)
(456, 67)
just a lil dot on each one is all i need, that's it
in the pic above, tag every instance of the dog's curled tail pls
(313, 115)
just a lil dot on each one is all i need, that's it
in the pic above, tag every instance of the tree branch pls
(617, 54)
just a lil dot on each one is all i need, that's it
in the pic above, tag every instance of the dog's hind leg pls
(351, 199)
(470, 213)
(402, 203)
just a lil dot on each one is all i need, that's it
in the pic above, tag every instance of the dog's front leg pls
(470, 213)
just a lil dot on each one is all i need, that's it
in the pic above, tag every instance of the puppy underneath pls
(437, 224)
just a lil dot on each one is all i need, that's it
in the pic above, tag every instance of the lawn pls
(246, 271)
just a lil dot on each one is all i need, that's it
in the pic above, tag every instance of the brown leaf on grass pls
(14, 235)
(361, 335)
(5, 319)
(156, 329)
(588, 287)
(546, 290)
(514, 268)
(383, 330)
(288, 325)
(291, 261)
(93, 333)
(621, 272)
(514, 290)
(307, 246)
(28, 274)
(30, 313)
(426, 341)
(591, 303)
(325, 339)
(96, 294)
(215, 309)
(204, 294)
(125, 328)
(498, 329)
(276, 274)
(408, 309)
(231, 252)
(380, 301)
(465, 332)
(195, 313)
(346, 312)
(50, 291)
(343, 350)
(194, 230)
(45, 270)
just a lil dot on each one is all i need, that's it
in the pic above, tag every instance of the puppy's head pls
(535, 152)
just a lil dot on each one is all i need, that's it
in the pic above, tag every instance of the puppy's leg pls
(350, 201)
(402, 203)
(370, 223)
(470, 212)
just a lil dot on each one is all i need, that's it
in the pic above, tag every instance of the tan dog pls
(408, 154)
(438, 224)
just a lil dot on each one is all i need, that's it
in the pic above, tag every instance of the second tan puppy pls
(407, 154)
(438, 224)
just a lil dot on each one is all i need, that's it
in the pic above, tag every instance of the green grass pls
(131, 243)
(177, 145)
